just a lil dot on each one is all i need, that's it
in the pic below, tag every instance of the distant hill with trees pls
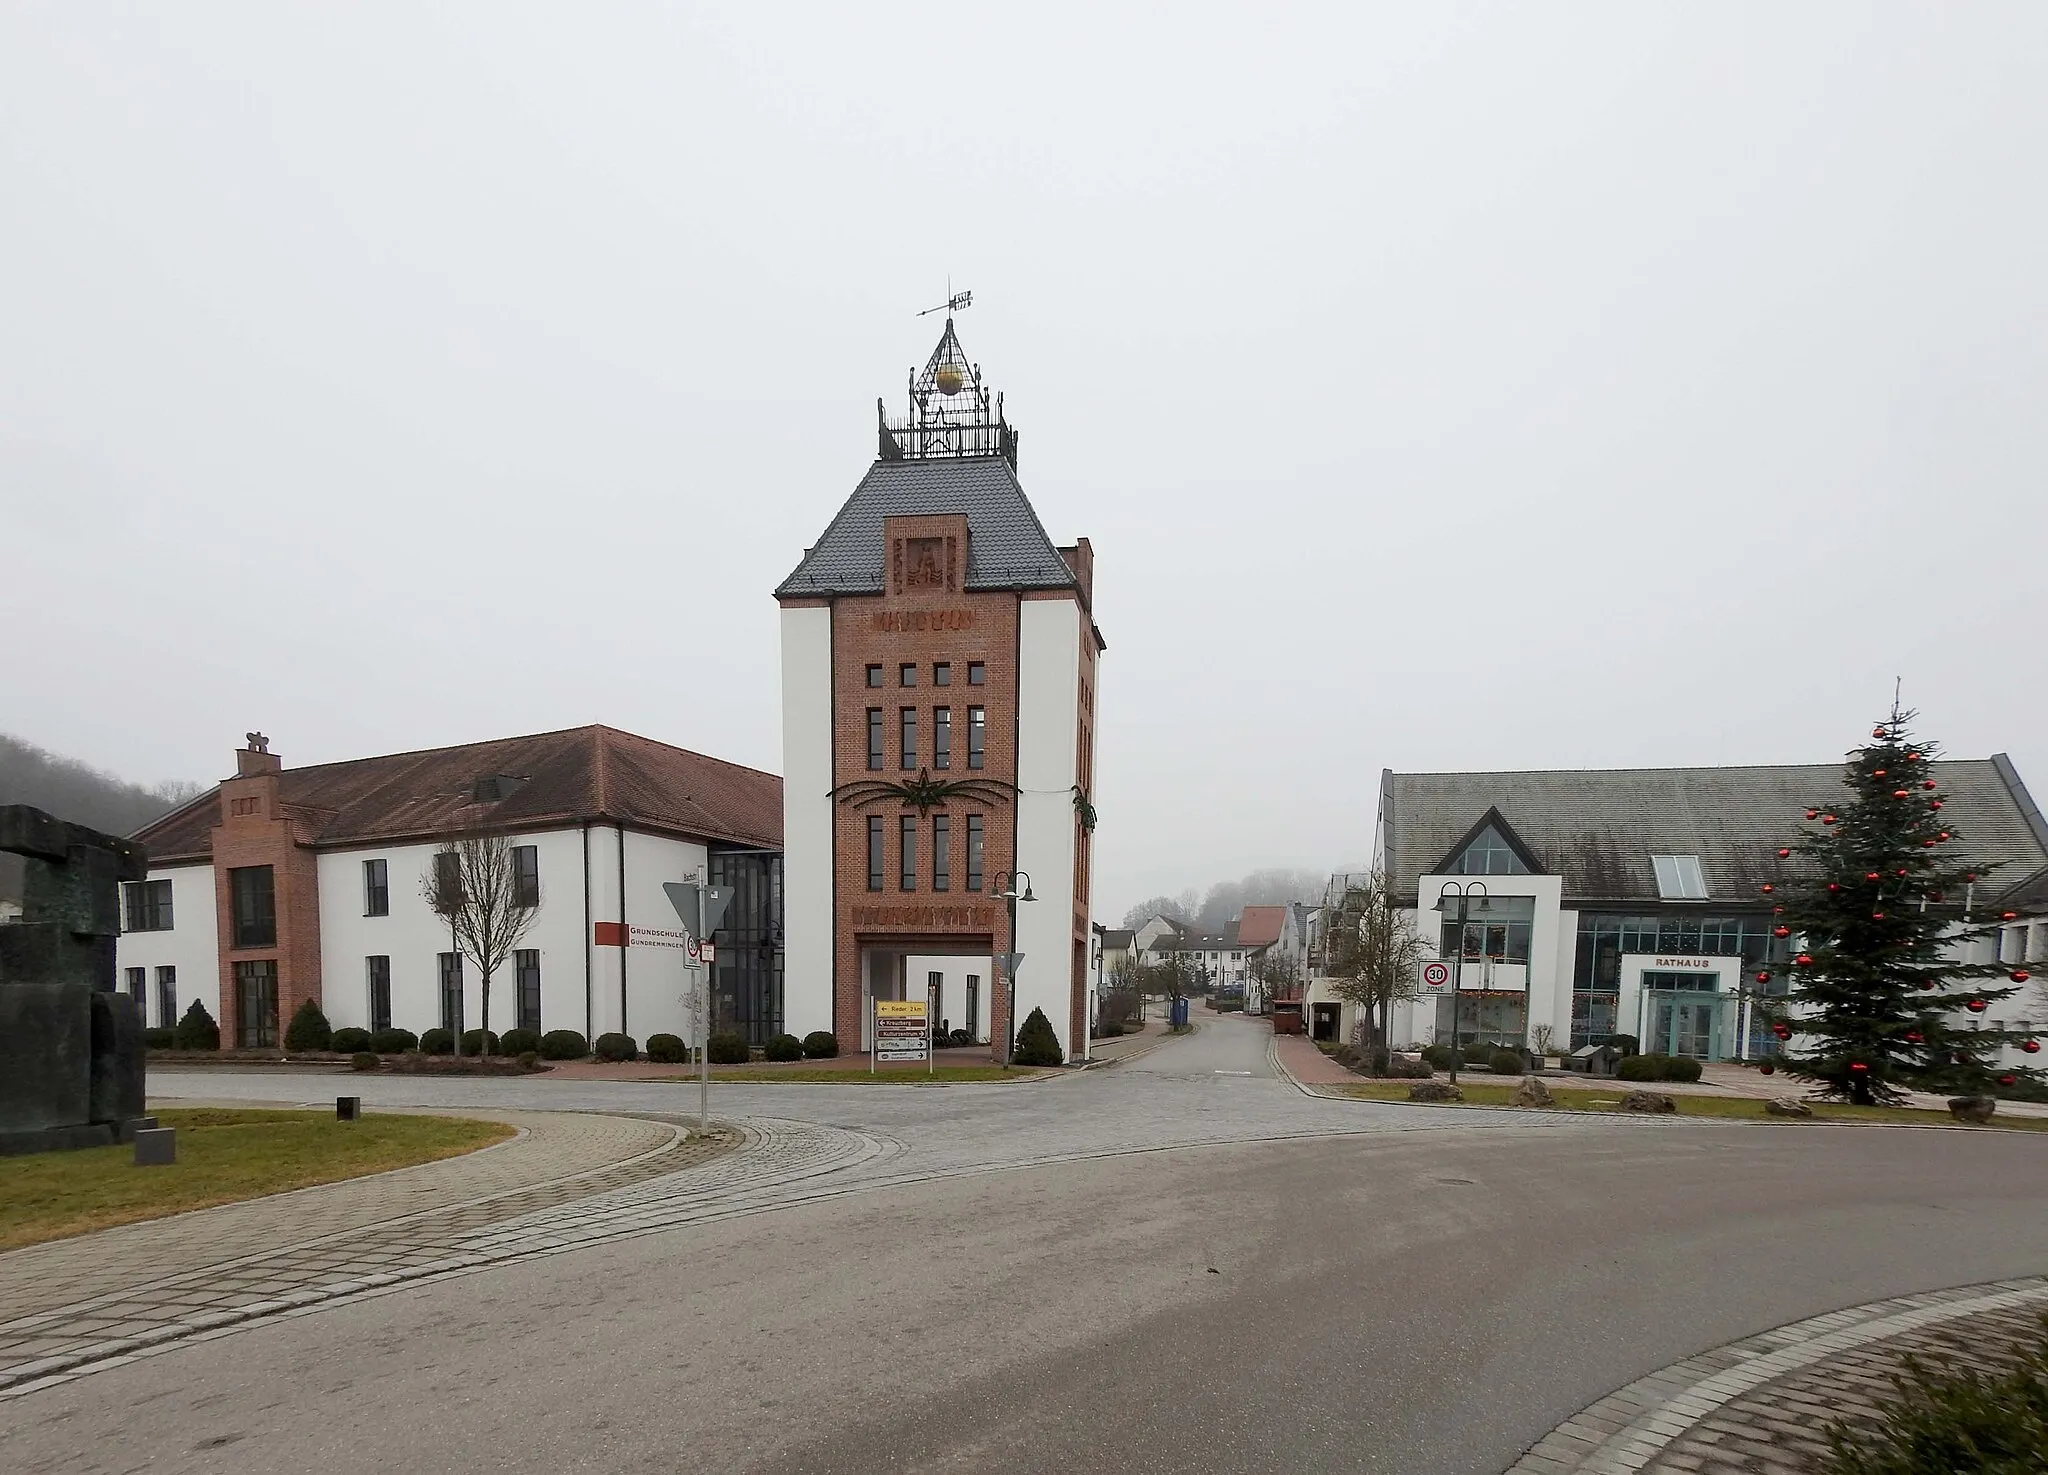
(1212, 910)
(77, 792)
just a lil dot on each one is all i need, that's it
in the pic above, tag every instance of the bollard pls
(156, 1147)
(347, 1108)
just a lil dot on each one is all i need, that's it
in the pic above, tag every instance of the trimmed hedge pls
(728, 1047)
(666, 1049)
(1658, 1068)
(521, 1041)
(1036, 1042)
(563, 1044)
(1504, 1063)
(437, 1042)
(350, 1040)
(616, 1048)
(394, 1041)
(784, 1047)
(159, 1039)
(473, 1042)
(821, 1044)
(1681, 1068)
(197, 1031)
(309, 1029)
(364, 1060)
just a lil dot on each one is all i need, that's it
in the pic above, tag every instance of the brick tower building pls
(939, 660)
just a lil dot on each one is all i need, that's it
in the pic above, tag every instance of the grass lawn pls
(1738, 1108)
(891, 1075)
(223, 1156)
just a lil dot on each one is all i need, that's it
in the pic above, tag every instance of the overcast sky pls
(1442, 386)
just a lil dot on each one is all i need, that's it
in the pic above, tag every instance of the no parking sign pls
(1436, 975)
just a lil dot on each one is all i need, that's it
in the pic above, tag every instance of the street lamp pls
(1464, 891)
(1006, 888)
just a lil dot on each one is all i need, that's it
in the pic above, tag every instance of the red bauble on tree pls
(2020, 975)
(2032, 1047)
(1976, 1006)
(1784, 852)
(1781, 932)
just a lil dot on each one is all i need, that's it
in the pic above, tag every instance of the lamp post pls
(1464, 891)
(1006, 887)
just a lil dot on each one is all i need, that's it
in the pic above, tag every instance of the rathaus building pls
(939, 685)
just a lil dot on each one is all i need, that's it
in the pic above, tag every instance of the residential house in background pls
(281, 885)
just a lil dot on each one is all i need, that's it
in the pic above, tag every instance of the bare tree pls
(1373, 951)
(474, 884)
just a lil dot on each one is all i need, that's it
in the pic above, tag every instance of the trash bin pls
(1178, 1015)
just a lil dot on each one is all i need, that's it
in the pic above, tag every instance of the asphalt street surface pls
(1179, 1263)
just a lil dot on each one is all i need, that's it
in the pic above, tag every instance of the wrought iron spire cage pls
(951, 412)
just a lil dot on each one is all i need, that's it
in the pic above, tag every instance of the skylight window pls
(1679, 878)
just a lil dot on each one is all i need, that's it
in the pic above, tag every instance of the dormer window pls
(493, 787)
(1489, 855)
(1679, 878)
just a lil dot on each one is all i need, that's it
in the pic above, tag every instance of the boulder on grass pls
(1648, 1101)
(1434, 1091)
(1787, 1106)
(1533, 1092)
(1976, 1110)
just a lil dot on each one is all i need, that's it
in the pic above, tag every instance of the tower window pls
(875, 739)
(909, 735)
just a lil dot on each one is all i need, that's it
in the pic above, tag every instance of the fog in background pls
(1442, 386)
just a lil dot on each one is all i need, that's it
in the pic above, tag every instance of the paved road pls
(1308, 1285)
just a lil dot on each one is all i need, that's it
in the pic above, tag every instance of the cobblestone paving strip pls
(337, 1238)
(1757, 1406)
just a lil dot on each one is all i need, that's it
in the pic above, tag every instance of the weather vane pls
(953, 303)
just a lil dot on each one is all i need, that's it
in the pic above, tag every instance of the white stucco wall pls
(807, 819)
(1553, 941)
(953, 1001)
(191, 945)
(1049, 636)
(659, 984)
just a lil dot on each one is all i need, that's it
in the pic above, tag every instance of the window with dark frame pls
(138, 990)
(942, 673)
(977, 673)
(526, 875)
(977, 736)
(974, 851)
(149, 906)
(526, 971)
(906, 674)
(942, 853)
(252, 892)
(874, 675)
(379, 969)
(451, 992)
(874, 739)
(376, 888)
(935, 1000)
(908, 723)
(448, 876)
(876, 869)
(972, 1023)
(166, 996)
(907, 870)
(942, 737)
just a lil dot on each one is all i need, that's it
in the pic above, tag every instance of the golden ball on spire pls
(948, 378)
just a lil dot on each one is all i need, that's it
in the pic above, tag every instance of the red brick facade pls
(257, 830)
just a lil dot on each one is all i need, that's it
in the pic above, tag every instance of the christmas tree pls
(1873, 929)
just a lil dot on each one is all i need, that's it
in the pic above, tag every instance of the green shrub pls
(1108, 1029)
(728, 1047)
(563, 1044)
(666, 1049)
(350, 1040)
(1680, 1068)
(437, 1042)
(1442, 1057)
(1642, 1068)
(1950, 1418)
(821, 1044)
(1036, 1042)
(159, 1039)
(616, 1048)
(1626, 1044)
(197, 1031)
(394, 1041)
(1504, 1063)
(520, 1041)
(364, 1060)
(529, 1060)
(309, 1029)
(784, 1047)
(475, 1042)
(1401, 1068)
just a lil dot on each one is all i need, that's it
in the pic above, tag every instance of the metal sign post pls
(700, 908)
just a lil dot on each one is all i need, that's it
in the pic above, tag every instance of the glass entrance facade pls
(1605, 937)
(1683, 1016)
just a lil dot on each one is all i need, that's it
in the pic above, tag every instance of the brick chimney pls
(256, 758)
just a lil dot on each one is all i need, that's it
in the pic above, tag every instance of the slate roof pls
(579, 774)
(1598, 828)
(1117, 937)
(1007, 546)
